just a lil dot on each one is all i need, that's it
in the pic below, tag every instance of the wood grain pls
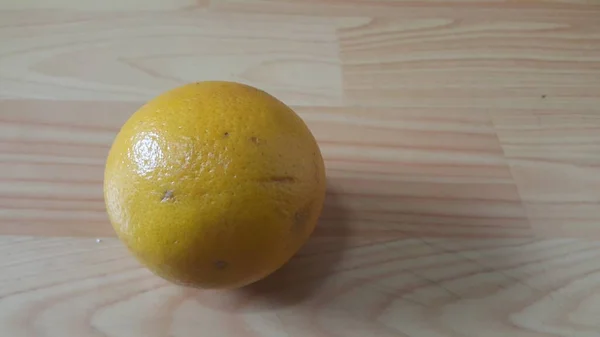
(402, 287)
(461, 138)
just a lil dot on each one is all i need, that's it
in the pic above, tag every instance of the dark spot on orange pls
(279, 179)
(168, 196)
(220, 264)
(255, 140)
(226, 134)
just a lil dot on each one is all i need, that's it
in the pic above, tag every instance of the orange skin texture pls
(214, 184)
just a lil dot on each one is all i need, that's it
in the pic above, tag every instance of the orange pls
(214, 184)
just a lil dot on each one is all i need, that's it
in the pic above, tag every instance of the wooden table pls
(462, 141)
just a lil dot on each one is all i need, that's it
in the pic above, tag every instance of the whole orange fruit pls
(214, 184)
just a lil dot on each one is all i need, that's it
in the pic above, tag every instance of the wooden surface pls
(462, 140)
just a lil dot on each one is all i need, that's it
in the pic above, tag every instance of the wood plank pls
(72, 55)
(125, 5)
(572, 10)
(494, 65)
(555, 161)
(432, 172)
(407, 287)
